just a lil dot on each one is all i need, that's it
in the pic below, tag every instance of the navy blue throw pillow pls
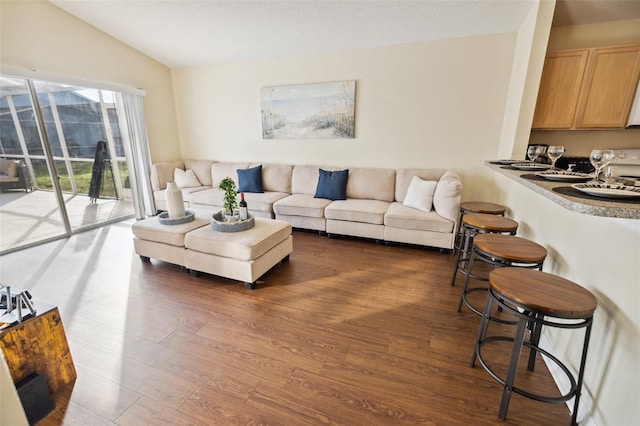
(332, 185)
(250, 180)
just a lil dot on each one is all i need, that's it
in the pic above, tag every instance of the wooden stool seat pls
(490, 222)
(482, 207)
(500, 251)
(474, 224)
(543, 293)
(510, 247)
(537, 299)
(473, 207)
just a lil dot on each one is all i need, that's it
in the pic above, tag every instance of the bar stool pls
(499, 250)
(474, 207)
(540, 299)
(479, 223)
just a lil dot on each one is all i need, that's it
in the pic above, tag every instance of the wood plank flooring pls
(346, 333)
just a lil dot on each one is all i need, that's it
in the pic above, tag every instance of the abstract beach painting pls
(309, 111)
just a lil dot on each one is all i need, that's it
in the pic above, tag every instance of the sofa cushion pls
(354, 210)
(185, 178)
(250, 180)
(371, 184)
(161, 194)
(420, 194)
(332, 185)
(404, 177)
(263, 201)
(5, 178)
(4, 166)
(301, 205)
(202, 170)
(276, 177)
(213, 197)
(161, 173)
(446, 199)
(400, 216)
(9, 168)
(304, 179)
(220, 171)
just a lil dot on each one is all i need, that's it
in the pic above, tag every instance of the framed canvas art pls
(309, 111)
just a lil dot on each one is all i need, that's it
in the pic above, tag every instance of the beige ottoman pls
(244, 255)
(165, 242)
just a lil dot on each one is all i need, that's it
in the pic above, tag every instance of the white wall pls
(37, 35)
(434, 104)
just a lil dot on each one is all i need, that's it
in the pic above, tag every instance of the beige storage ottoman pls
(153, 239)
(244, 255)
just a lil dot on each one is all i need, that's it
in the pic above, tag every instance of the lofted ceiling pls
(181, 33)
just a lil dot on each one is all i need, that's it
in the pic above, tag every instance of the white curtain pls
(134, 137)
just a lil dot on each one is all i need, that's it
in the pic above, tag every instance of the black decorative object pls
(35, 397)
(101, 164)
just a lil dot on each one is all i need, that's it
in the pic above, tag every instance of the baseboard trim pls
(559, 377)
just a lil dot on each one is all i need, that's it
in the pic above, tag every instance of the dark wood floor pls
(347, 333)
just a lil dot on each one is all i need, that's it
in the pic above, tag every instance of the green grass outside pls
(82, 172)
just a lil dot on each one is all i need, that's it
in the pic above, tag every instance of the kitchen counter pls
(606, 207)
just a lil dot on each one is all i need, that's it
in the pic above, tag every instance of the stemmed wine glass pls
(555, 152)
(600, 158)
(534, 152)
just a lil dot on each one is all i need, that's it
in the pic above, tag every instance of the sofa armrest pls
(446, 198)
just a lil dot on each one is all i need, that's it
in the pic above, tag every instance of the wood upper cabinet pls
(609, 85)
(559, 89)
(587, 89)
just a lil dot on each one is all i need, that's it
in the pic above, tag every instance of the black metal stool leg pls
(456, 266)
(513, 367)
(463, 294)
(535, 340)
(482, 331)
(585, 346)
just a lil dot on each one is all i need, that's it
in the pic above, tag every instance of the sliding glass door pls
(67, 142)
(26, 214)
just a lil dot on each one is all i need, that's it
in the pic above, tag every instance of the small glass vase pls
(231, 216)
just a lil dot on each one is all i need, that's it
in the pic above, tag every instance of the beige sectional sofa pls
(373, 207)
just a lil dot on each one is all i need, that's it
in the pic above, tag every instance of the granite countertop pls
(570, 198)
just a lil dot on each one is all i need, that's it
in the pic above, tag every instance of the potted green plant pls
(230, 193)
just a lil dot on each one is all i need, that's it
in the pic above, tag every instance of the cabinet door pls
(559, 89)
(610, 83)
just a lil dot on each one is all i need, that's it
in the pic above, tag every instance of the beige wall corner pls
(604, 34)
(36, 35)
(530, 50)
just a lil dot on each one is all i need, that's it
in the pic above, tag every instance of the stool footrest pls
(553, 399)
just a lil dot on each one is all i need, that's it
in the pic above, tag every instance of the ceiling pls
(180, 33)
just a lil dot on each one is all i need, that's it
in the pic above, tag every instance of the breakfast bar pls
(561, 193)
(596, 243)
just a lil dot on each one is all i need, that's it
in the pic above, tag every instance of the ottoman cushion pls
(243, 245)
(152, 230)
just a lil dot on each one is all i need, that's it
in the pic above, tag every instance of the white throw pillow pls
(185, 179)
(420, 194)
